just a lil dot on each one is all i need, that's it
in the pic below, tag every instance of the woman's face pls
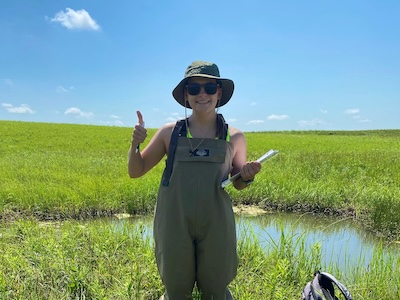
(202, 93)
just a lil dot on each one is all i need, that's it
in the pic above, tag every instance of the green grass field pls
(62, 173)
(54, 171)
(103, 259)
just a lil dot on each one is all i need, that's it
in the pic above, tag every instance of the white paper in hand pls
(262, 159)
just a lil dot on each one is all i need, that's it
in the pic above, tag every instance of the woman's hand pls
(249, 170)
(139, 133)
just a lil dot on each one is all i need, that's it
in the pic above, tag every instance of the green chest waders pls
(194, 224)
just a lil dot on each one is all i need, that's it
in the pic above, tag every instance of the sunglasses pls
(194, 88)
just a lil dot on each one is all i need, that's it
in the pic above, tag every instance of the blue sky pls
(297, 65)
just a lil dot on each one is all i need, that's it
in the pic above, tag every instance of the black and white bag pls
(321, 288)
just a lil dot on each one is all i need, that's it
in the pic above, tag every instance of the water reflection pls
(342, 242)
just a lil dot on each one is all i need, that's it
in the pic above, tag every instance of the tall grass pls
(57, 171)
(72, 260)
(343, 173)
(105, 259)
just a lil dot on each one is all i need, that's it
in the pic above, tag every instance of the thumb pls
(140, 117)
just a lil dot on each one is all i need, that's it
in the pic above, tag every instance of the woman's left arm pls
(247, 169)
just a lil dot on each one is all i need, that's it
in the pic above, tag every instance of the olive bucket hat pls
(206, 70)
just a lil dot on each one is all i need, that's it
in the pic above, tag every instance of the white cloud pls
(112, 123)
(360, 119)
(253, 103)
(324, 111)
(114, 117)
(355, 115)
(313, 122)
(78, 112)
(61, 89)
(252, 122)
(174, 117)
(278, 117)
(352, 111)
(75, 19)
(22, 109)
(364, 121)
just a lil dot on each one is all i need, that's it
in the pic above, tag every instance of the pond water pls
(342, 242)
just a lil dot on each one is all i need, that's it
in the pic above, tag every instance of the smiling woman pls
(202, 94)
(202, 152)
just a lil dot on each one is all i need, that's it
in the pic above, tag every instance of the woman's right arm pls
(140, 162)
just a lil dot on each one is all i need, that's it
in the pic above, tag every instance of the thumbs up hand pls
(139, 132)
(140, 118)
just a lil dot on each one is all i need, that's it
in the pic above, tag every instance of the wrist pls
(135, 147)
(247, 182)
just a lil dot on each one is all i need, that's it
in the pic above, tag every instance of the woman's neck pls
(200, 119)
(203, 125)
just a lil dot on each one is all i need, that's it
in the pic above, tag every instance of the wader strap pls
(180, 130)
(222, 127)
(171, 151)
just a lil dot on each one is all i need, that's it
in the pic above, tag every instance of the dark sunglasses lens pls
(210, 88)
(194, 88)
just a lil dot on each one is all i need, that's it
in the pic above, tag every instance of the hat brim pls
(227, 87)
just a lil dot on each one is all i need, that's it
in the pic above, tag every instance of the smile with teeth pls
(203, 101)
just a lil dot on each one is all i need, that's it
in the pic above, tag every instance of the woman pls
(194, 225)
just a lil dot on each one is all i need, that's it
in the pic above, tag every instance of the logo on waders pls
(200, 152)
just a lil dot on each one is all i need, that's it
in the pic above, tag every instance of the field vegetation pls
(58, 171)
(57, 179)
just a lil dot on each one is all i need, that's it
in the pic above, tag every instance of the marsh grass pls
(57, 171)
(71, 260)
(113, 259)
(341, 173)
(64, 172)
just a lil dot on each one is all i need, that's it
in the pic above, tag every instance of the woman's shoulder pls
(168, 126)
(165, 131)
(234, 132)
